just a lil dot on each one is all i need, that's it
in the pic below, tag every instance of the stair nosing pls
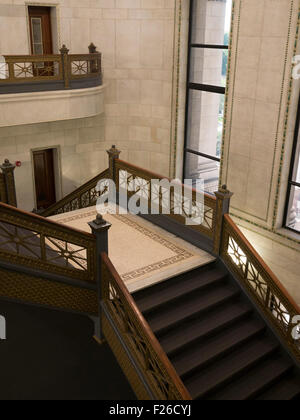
(238, 373)
(159, 331)
(184, 294)
(217, 356)
(209, 333)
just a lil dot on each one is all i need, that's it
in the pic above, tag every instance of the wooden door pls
(41, 38)
(44, 178)
(40, 30)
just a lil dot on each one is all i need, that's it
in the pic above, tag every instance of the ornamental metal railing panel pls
(63, 68)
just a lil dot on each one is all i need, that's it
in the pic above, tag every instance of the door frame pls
(57, 170)
(55, 24)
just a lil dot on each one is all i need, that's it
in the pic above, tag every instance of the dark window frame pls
(291, 182)
(197, 86)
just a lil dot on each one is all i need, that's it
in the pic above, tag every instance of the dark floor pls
(52, 355)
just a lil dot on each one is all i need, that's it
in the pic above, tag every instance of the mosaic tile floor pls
(142, 253)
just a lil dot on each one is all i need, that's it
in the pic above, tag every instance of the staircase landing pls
(142, 253)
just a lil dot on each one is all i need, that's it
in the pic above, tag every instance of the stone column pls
(9, 180)
(100, 229)
(223, 205)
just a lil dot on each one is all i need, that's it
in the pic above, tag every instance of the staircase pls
(218, 344)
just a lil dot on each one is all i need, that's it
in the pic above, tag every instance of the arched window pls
(207, 67)
(292, 213)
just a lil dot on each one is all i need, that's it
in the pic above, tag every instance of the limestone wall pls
(136, 38)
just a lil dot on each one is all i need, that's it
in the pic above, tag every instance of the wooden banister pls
(146, 330)
(261, 262)
(37, 219)
(155, 175)
(40, 244)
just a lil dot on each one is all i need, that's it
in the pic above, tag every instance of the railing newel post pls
(113, 154)
(222, 208)
(100, 229)
(64, 51)
(9, 180)
(93, 63)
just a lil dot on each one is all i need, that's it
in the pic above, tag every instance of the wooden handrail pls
(147, 330)
(45, 245)
(259, 259)
(154, 175)
(76, 194)
(34, 218)
(53, 68)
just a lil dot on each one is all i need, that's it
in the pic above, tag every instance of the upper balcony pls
(42, 88)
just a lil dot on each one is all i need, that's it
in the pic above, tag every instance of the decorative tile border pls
(181, 254)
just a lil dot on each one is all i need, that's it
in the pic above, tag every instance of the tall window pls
(292, 213)
(207, 67)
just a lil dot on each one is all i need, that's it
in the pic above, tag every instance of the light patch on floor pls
(283, 261)
(142, 253)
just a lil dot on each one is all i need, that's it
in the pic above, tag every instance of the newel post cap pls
(92, 48)
(99, 224)
(113, 152)
(64, 49)
(6, 165)
(224, 193)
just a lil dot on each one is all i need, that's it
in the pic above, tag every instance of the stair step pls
(189, 307)
(287, 389)
(199, 355)
(175, 288)
(256, 381)
(203, 327)
(226, 369)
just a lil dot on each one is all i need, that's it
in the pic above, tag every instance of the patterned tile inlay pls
(181, 254)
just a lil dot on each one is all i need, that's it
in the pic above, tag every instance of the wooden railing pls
(126, 173)
(229, 244)
(37, 243)
(62, 67)
(254, 274)
(83, 197)
(144, 347)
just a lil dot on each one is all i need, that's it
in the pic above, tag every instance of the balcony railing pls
(31, 73)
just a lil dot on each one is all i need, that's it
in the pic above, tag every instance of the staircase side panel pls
(38, 291)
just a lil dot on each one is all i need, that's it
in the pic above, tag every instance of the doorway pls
(44, 177)
(40, 30)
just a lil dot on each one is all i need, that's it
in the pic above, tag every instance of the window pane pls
(205, 122)
(296, 174)
(198, 167)
(36, 30)
(208, 66)
(293, 217)
(211, 22)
